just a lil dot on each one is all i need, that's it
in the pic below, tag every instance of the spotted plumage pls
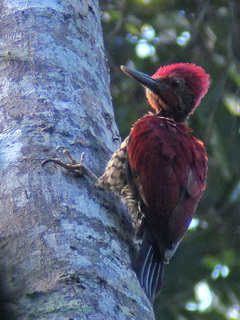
(114, 177)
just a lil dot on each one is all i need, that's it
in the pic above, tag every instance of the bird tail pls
(149, 267)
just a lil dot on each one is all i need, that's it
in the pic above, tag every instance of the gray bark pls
(64, 246)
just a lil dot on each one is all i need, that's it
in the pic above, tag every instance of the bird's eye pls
(176, 82)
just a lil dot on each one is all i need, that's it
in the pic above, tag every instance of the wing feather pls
(169, 168)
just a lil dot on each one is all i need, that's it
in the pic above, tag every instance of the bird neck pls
(171, 105)
(176, 116)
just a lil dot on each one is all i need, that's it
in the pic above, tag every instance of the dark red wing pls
(169, 167)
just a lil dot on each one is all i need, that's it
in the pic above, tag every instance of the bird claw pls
(73, 165)
(77, 167)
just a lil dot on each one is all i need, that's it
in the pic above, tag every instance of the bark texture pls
(64, 246)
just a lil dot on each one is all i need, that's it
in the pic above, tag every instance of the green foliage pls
(145, 34)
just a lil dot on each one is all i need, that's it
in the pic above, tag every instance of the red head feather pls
(196, 78)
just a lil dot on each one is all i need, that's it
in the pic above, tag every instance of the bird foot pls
(77, 167)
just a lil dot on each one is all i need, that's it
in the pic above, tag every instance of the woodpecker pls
(160, 168)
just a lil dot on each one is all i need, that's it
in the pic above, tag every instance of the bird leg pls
(77, 167)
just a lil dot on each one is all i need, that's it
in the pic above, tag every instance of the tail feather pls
(150, 268)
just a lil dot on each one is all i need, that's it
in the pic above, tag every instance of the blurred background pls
(203, 279)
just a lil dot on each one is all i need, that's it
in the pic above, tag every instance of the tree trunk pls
(64, 246)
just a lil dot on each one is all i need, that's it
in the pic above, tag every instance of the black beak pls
(144, 79)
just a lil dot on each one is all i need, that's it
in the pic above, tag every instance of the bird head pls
(175, 90)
